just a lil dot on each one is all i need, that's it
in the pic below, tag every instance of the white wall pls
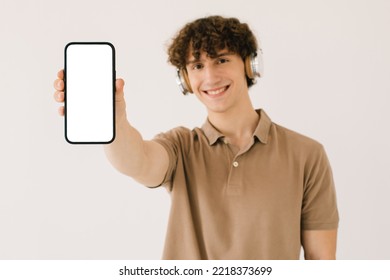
(327, 75)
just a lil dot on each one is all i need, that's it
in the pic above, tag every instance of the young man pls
(242, 187)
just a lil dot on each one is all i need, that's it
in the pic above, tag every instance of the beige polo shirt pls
(247, 205)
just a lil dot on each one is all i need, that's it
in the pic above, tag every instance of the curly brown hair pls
(211, 34)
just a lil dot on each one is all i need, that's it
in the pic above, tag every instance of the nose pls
(211, 76)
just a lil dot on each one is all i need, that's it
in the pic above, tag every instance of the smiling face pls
(211, 35)
(219, 82)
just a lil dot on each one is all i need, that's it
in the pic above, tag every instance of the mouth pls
(217, 91)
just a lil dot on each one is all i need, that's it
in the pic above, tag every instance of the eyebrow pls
(215, 57)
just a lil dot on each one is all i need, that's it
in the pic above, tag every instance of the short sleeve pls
(319, 206)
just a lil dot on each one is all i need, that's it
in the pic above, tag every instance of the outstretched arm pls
(145, 161)
(319, 244)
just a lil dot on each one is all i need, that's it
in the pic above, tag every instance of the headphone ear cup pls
(254, 65)
(183, 82)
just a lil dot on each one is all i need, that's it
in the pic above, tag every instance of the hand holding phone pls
(89, 77)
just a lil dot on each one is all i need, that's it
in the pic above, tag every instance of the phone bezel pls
(113, 92)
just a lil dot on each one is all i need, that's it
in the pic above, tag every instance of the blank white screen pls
(89, 93)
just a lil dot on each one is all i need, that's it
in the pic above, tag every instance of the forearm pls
(319, 244)
(126, 153)
(145, 161)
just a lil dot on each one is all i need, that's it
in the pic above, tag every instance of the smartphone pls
(89, 92)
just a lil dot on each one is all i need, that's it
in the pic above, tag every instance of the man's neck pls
(237, 125)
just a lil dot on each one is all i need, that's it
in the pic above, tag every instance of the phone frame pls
(113, 92)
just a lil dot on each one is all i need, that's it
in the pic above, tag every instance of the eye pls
(197, 66)
(222, 60)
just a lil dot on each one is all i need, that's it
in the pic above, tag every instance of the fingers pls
(59, 84)
(59, 95)
(60, 74)
(61, 111)
(119, 85)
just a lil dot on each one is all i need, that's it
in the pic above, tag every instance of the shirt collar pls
(261, 132)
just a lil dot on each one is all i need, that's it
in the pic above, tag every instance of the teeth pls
(214, 92)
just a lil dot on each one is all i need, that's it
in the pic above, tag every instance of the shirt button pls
(235, 164)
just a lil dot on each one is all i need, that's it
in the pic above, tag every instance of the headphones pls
(253, 68)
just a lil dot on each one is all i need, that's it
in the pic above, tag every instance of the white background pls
(327, 69)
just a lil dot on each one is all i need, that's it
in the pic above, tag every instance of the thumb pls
(119, 85)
